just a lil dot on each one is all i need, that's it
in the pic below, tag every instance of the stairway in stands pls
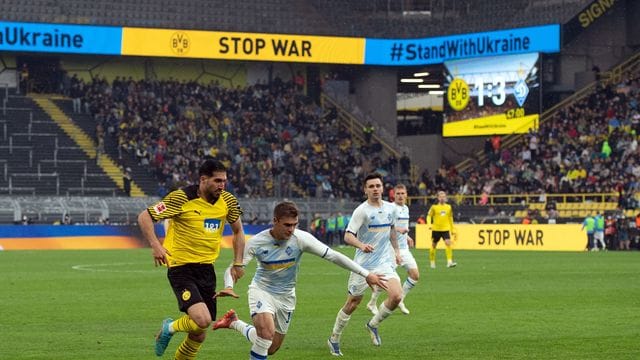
(142, 175)
(84, 142)
(38, 158)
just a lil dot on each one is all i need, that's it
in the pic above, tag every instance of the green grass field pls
(494, 305)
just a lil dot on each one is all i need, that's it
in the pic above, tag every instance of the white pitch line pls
(109, 268)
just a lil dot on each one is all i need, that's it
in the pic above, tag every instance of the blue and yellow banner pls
(106, 40)
(435, 50)
(59, 38)
(80, 237)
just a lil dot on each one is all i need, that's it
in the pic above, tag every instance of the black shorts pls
(437, 235)
(192, 284)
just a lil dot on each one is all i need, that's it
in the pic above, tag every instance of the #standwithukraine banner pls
(411, 52)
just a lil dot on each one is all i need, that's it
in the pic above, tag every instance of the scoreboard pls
(492, 95)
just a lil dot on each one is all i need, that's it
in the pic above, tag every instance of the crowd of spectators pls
(278, 143)
(274, 141)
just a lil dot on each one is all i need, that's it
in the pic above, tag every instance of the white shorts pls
(358, 285)
(598, 235)
(408, 261)
(280, 306)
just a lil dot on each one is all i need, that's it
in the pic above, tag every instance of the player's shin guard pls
(383, 313)
(375, 294)
(186, 324)
(188, 349)
(449, 251)
(432, 255)
(245, 329)
(260, 349)
(341, 322)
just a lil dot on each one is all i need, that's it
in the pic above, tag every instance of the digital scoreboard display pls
(492, 95)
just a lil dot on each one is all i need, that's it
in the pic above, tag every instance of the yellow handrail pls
(517, 199)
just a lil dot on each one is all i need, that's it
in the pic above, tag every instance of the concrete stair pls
(84, 141)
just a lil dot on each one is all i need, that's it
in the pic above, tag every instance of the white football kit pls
(372, 225)
(272, 289)
(402, 222)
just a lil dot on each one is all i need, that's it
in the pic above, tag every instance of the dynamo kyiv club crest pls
(521, 91)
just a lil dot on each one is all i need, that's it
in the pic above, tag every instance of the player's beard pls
(212, 196)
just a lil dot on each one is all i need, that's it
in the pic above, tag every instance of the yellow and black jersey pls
(441, 217)
(195, 231)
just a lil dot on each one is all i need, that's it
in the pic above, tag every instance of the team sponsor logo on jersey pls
(160, 207)
(211, 225)
(186, 295)
(443, 212)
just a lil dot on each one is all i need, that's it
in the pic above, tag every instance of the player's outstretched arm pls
(226, 292)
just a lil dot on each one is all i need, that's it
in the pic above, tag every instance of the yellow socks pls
(186, 324)
(188, 349)
(432, 255)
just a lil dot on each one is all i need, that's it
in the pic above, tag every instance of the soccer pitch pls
(494, 305)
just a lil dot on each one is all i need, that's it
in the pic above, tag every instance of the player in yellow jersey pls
(440, 216)
(198, 215)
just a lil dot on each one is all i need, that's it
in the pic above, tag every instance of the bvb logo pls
(458, 94)
(186, 295)
(180, 43)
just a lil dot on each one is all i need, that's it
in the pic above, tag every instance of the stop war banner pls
(556, 237)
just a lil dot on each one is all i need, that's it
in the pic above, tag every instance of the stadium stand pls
(379, 18)
(41, 159)
(271, 135)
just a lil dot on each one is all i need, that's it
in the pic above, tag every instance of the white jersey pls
(372, 225)
(402, 222)
(278, 261)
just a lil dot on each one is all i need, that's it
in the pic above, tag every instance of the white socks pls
(341, 321)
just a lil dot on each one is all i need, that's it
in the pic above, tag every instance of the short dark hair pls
(285, 209)
(210, 166)
(372, 176)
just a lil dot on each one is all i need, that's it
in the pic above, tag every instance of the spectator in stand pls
(610, 233)
(625, 228)
(405, 164)
(368, 130)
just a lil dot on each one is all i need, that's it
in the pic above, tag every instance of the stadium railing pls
(125, 210)
(526, 199)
